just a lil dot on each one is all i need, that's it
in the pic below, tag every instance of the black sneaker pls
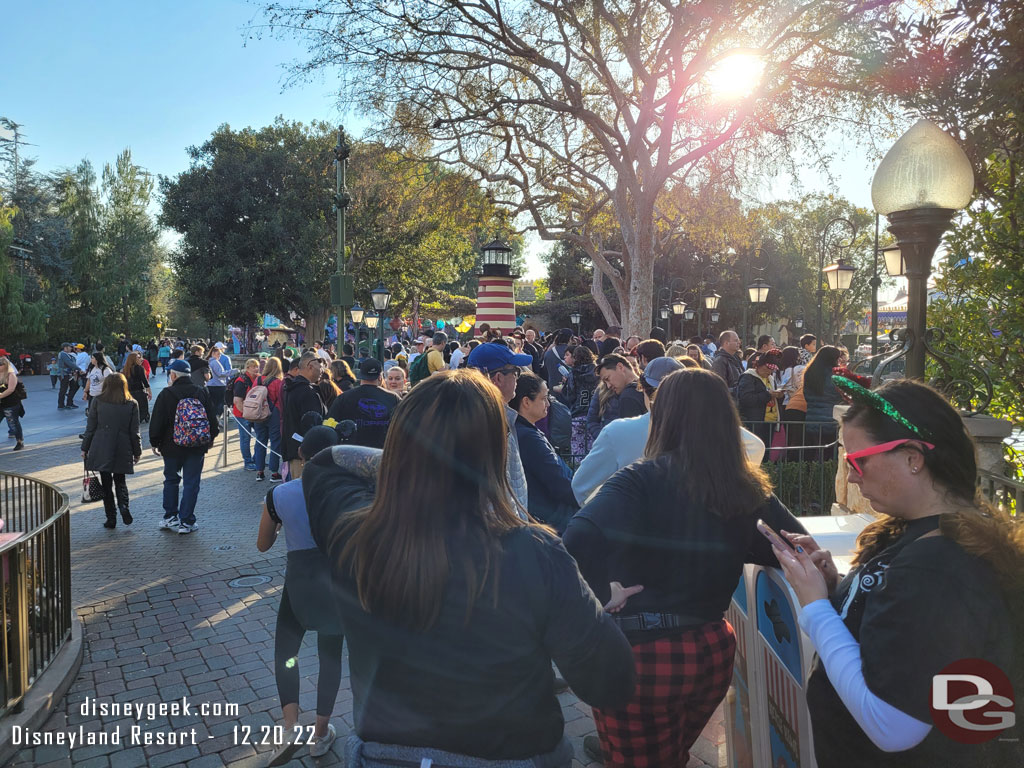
(72, 406)
(260, 476)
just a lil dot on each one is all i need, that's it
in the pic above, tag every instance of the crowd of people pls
(468, 512)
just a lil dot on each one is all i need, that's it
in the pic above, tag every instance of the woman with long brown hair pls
(273, 377)
(676, 529)
(937, 579)
(138, 384)
(450, 601)
(112, 445)
(342, 375)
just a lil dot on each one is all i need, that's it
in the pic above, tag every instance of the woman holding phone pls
(937, 579)
(678, 542)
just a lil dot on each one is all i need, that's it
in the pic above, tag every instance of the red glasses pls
(851, 458)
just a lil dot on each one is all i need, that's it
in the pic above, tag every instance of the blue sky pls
(87, 79)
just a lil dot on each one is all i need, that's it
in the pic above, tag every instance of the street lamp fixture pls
(357, 313)
(664, 312)
(922, 181)
(894, 261)
(371, 319)
(758, 291)
(381, 297)
(688, 314)
(711, 300)
(839, 276)
(574, 318)
(714, 316)
(679, 308)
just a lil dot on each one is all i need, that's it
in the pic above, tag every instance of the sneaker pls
(18, 446)
(72, 406)
(592, 749)
(62, 407)
(275, 477)
(250, 467)
(188, 527)
(170, 523)
(284, 753)
(260, 476)
(323, 745)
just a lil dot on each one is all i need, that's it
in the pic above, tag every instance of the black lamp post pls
(372, 320)
(922, 181)
(574, 318)
(381, 297)
(357, 320)
(839, 275)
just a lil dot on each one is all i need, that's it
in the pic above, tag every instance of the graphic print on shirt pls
(870, 577)
(372, 411)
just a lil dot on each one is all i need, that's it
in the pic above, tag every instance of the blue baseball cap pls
(494, 356)
(179, 366)
(659, 368)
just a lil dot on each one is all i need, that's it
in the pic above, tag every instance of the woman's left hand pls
(83, 454)
(620, 595)
(802, 574)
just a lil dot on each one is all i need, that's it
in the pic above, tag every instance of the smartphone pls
(772, 536)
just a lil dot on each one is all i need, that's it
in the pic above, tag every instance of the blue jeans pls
(244, 439)
(185, 468)
(13, 422)
(274, 430)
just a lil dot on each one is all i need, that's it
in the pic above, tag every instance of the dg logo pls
(972, 701)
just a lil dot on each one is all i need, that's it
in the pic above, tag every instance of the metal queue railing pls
(35, 573)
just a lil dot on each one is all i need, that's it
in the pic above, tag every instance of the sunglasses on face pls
(511, 371)
(853, 458)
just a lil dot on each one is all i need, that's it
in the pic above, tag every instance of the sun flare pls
(736, 76)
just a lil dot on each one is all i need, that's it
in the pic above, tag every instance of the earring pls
(913, 470)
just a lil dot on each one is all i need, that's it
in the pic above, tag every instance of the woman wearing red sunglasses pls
(937, 579)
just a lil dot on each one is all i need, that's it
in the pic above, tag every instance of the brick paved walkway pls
(162, 619)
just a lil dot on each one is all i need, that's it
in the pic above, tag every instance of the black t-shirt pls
(370, 407)
(917, 606)
(641, 528)
(631, 402)
(482, 686)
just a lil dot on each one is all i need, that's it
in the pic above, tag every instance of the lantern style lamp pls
(381, 297)
(357, 314)
(574, 318)
(798, 321)
(664, 312)
(922, 181)
(758, 291)
(371, 319)
(894, 261)
(688, 314)
(714, 316)
(711, 300)
(839, 276)
(678, 307)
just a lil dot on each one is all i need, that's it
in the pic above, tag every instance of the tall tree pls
(128, 242)
(571, 110)
(21, 320)
(257, 226)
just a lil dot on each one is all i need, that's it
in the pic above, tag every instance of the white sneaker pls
(170, 524)
(188, 527)
(323, 745)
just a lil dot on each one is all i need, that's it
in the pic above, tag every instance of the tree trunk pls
(640, 248)
(316, 320)
(597, 291)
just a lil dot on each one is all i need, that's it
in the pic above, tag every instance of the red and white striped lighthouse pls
(495, 298)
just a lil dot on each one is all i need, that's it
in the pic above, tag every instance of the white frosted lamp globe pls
(924, 169)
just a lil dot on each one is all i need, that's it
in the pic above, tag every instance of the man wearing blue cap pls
(182, 428)
(502, 366)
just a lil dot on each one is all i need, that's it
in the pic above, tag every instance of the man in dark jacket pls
(369, 405)
(555, 356)
(182, 466)
(727, 363)
(300, 395)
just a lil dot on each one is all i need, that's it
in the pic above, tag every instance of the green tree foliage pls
(570, 270)
(257, 224)
(964, 69)
(21, 321)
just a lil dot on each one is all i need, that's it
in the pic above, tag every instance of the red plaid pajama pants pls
(679, 682)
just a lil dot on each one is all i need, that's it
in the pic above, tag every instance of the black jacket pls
(579, 389)
(729, 367)
(753, 397)
(547, 476)
(490, 676)
(300, 397)
(199, 370)
(112, 437)
(161, 422)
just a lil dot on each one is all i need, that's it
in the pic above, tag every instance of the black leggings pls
(287, 641)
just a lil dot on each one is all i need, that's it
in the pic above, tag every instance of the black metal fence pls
(35, 550)
(1004, 492)
(800, 459)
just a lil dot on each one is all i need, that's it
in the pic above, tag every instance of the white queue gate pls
(766, 720)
